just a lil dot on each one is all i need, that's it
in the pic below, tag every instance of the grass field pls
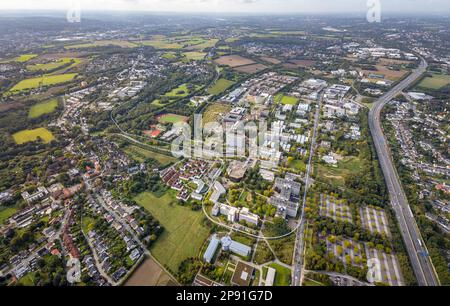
(283, 275)
(33, 135)
(25, 58)
(181, 91)
(172, 118)
(298, 165)
(7, 212)
(220, 86)
(162, 43)
(184, 233)
(286, 100)
(103, 43)
(43, 108)
(336, 175)
(46, 80)
(213, 112)
(437, 81)
(55, 65)
(141, 154)
(194, 55)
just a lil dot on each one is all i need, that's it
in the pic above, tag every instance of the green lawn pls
(283, 275)
(220, 86)
(43, 108)
(286, 100)
(178, 92)
(298, 165)
(184, 233)
(45, 80)
(6, 213)
(437, 81)
(33, 135)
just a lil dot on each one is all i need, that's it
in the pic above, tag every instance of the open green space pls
(45, 80)
(214, 111)
(220, 86)
(194, 55)
(55, 65)
(181, 91)
(141, 154)
(25, 58)
(103, 43)
(436, 81)
(43, 108)
(33, 135)
(336, 175)
(184, 232)
(297, 165)
(286, 100)
(283, 275)
(6, 213)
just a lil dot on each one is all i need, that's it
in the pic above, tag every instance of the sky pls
(233, 6)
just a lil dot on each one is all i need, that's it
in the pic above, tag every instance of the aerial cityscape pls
(245, 148)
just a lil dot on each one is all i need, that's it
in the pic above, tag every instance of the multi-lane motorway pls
(416, 248)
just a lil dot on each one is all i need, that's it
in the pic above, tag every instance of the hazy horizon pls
(233, 6)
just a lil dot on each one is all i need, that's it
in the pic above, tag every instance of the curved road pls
(415, 245)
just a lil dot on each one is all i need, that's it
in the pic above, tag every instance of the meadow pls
(184, 232)
(55, 65)
(436, 81)
(286, 100)
(45, 80)
(43, 108)
(6, 213)
(103, 43)
(33, 135)
(220, 86)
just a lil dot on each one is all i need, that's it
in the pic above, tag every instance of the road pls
(415, 245)
(299, 249)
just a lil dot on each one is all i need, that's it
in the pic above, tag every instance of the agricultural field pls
(56, 64)
(103, 43)
(33, 135)
(220, 86)
(149, 273)
(46, 80)
(184, 233)
(25, 58)
(374, 219)
(334, 208)
(43, 108)
(194, 55)
(435, 82)
(233, 61)
(286, 100)
(251, 68)
(271, 60)
(214, 111)
(172, 118)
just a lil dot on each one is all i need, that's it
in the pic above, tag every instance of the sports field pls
(172, 118)
(33, 135)
(220, 86)
(184, 232)
(286, 100)
(43, 108)
(437, 81)
(46, 80)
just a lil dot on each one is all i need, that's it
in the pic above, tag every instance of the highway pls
(421, 262)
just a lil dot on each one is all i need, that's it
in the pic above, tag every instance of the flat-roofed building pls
(211, 250)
